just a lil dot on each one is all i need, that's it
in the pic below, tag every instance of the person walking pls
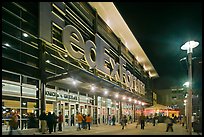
(43, 119)
(88, 121)
(50, 122)
(72, 120)
(79, 120)
(123, 121)
(142, 120)
(13, 123)
(169, 123)
(54, 121)
(183, 121)
(113, 120)
(84, 121)
(109, 119)
(60, 120)
(154, 120)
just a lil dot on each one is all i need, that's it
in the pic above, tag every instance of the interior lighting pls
(6, 44)
(74, 82)
(124, 98)
(25, 34)
(105, 92)
(48, 61)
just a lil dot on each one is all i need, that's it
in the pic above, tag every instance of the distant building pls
(173, 98)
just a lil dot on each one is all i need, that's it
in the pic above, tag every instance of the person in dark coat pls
(31, 121)
(50, 122)
(43, 119)
(142, 121)
(72, 120)
(54, 121)
(113, 120)
(123, 121)
(169, 123)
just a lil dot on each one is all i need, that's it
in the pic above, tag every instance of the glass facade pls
(30, 61)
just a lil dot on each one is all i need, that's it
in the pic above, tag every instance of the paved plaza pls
(130, 129)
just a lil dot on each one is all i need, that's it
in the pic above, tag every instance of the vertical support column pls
(43, 102)
(134, 111)
(21, 88)
(95, 110)
(78, 109)
(42, 73)
(37, 102)
(121, 112)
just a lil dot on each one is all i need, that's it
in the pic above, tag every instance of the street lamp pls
(189, 47)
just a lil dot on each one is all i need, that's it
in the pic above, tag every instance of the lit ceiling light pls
(92, 88)
(142, 103)
(25, 34)
(105, 92)
(135, 101)
(130, 99)
(124, 98)
(65, 55)
(6, 44)
(116, 103)
(139, 102)
(74, 82)
(116, 95)
(48, 61)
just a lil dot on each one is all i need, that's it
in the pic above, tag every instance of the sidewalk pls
(103, 129)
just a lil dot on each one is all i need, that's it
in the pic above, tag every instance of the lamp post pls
(189, 47)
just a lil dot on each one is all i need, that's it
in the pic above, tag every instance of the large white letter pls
(101, 56)
(72, 37)
(90, 46)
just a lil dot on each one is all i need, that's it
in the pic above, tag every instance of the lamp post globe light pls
(189, 47)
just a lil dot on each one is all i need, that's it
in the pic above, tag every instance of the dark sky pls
(161, 29)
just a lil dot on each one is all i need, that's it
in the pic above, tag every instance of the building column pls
(121, 112)
(134, 111)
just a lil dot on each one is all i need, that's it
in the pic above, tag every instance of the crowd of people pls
(12, 121)
(50, 121)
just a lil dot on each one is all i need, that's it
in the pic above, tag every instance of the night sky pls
(161, 29)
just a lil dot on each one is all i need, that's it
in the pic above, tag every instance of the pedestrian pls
(183, 121)
(169, 123)
(79, 119)
(84, 121)
(154, 121)
(13, 123)
(142, 120)
(54, 121)
(67, 119)
(88, 120)
(123, 121)
(130, 118)
(43, 119)
(113, 120)
(109, 119)
(60, 120)
(50, 122)
(32, 121)
(72, 120)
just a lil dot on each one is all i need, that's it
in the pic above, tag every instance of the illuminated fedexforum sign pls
(79, 49)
